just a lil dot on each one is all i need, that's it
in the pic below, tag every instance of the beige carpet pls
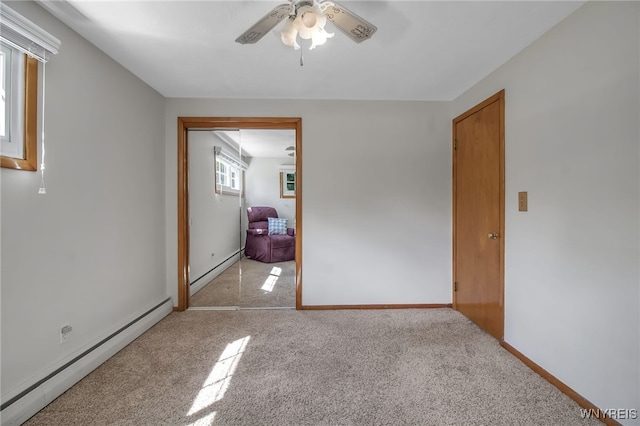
(250, 284)
(287, 367)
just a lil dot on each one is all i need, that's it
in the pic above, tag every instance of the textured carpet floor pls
(250, 284)
(285, 367)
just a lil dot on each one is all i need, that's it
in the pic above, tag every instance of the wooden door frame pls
(188, 123)
(498, 97)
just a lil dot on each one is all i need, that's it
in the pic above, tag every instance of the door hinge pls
(455, 286)
(455, 144)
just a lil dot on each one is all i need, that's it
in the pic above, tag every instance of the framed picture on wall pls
(287, 184)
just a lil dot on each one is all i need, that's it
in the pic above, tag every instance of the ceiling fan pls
(307, 18)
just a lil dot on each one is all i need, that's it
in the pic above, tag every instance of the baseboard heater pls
(28, 402)
(216, 267)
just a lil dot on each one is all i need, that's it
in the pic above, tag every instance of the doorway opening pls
(185, 124)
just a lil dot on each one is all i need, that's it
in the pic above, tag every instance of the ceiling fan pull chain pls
(301, 59)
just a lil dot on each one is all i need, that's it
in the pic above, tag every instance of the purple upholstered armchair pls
(264, 247)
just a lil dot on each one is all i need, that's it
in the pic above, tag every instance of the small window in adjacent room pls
(221, 172)
(229, 174)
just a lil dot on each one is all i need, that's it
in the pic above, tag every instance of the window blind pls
(22, 34)
(232, 159)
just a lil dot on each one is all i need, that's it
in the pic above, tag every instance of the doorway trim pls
(500, 98)
(187, 123)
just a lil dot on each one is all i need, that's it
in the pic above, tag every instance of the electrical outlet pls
(65, 330)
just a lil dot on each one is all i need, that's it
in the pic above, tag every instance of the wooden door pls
(478, 214)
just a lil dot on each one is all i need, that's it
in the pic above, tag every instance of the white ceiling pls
(423, 50)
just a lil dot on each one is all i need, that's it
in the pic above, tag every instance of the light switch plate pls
(523, 204)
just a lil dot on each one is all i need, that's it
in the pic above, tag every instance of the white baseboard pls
(37, 397)
(205, 279)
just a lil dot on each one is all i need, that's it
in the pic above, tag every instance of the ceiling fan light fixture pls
(309, 19)
(308, 23)
(289, 34)
(319, 38)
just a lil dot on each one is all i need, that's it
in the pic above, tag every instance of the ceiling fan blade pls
(266, 24)
(349, 23)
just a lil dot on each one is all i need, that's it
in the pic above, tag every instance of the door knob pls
(493, 235)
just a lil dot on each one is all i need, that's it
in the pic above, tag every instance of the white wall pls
(263, 187)
(572, 141)
(91, 252)
(215, 218)
(376, 191)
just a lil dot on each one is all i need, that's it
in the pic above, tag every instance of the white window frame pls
(33, 45)
(230, 181)
(20, 151)
(12, 143)
(221, 172)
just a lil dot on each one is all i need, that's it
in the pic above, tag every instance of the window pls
(18, 105)
(229, 173)
(221, 172)
(5, 92)
(22, 45)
